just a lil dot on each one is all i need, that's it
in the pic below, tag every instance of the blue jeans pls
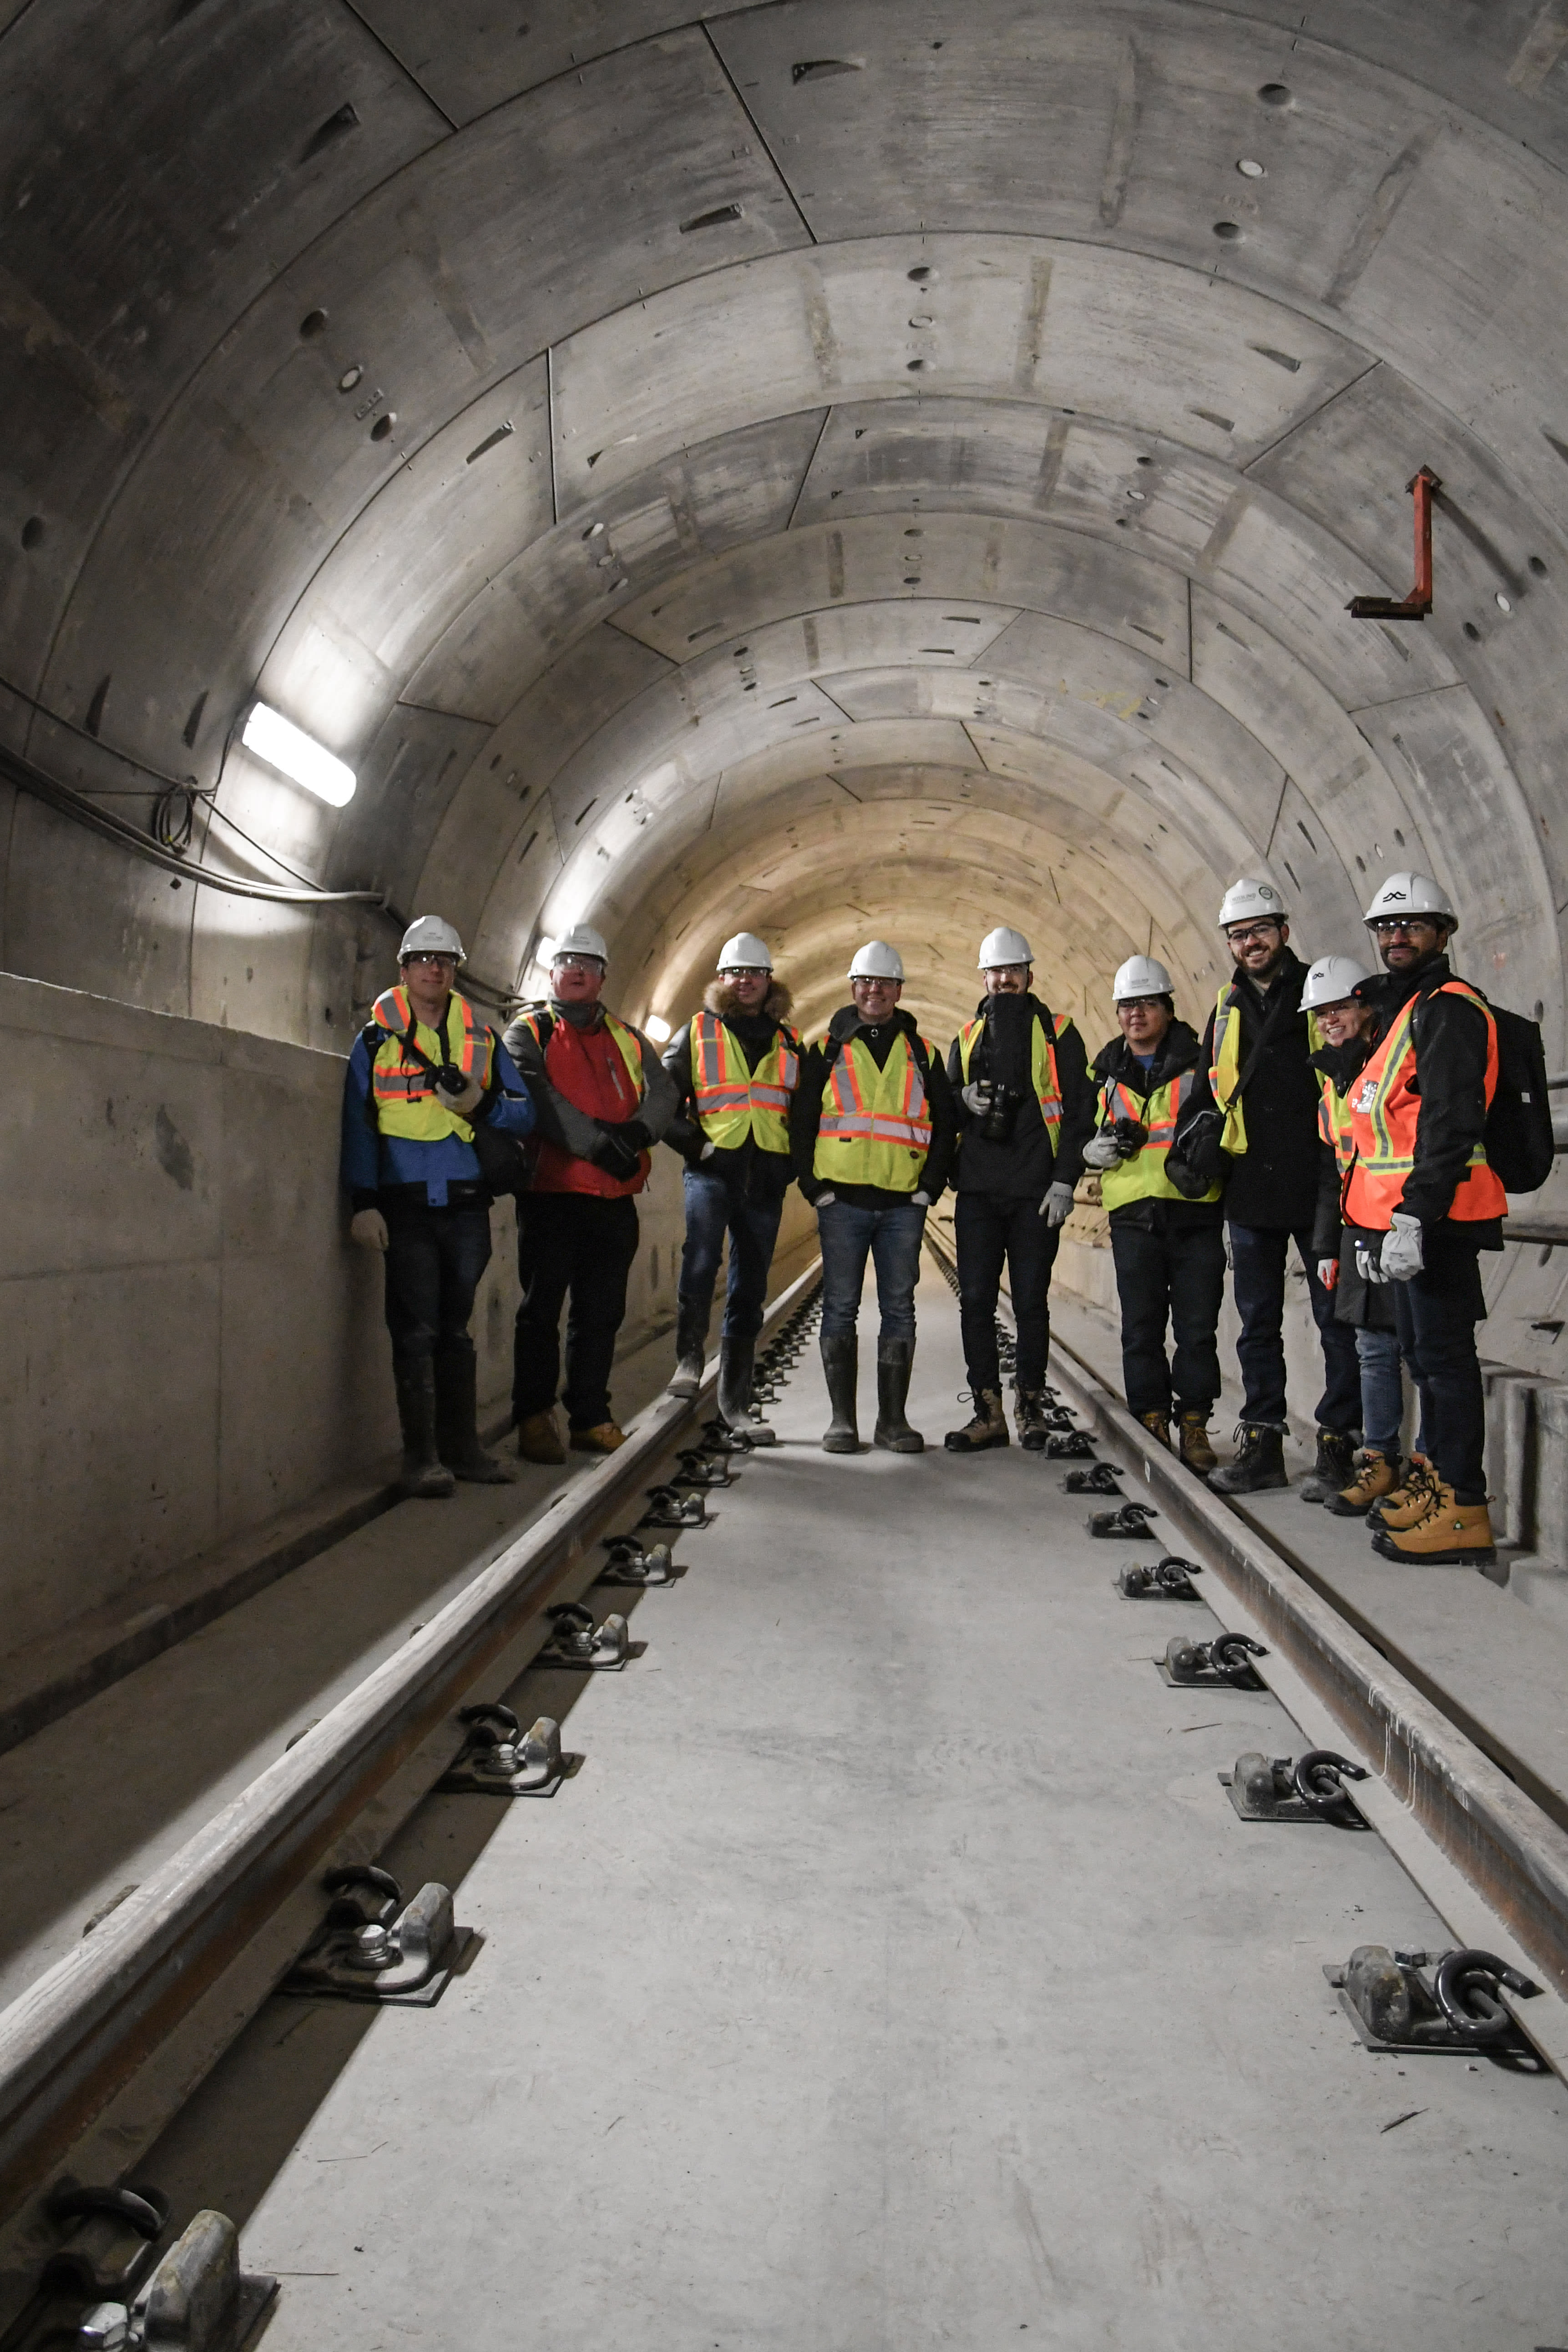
(892, 1237)
(712, 1209)
(1258, 1278)
(434, 1260)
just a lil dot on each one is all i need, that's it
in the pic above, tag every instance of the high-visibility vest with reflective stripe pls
(627, 1044)
(1143, 1177)
(875, 1123)
(402, 1089)
(1042, 1064)
(733, 1102)
(1385, 1111)
(1225, 1065)
(1334, 1122)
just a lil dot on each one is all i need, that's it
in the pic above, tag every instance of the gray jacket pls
(562, 1122)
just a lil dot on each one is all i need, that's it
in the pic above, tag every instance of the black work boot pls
(424, 1472)
(1333, 1470)
(841, 1370)
(736, 1358)
(457, 1421)
(1259, 1465)
(895, 1361)
(989, 1426)
(690, 1338)
(1033, 1427)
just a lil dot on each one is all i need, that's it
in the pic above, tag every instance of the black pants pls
(570, 1242)
(1179, 1274)
(434, 1260)
(1258, 1279)
(1436, 1315)
(990, 1230)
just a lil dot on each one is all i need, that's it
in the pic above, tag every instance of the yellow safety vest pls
(1143, 1177)
(733, 1102)
(404, 1089)
(1334, 1122)
(1225, 1065)
(625, 1039)
(875, 1123)
(1042, 1065)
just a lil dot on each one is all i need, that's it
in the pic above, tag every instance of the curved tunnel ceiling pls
(876, 467)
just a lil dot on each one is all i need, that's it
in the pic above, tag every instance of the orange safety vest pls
(876, 1125)
(1384, 1109)
(733, 1102)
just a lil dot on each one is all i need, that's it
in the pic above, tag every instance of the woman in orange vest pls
(1419, 1180)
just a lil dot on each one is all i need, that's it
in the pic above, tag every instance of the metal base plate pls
(424, 1997)
(461, 1782)
(1290, 1808)
(1158, 1594)
(1512, 2052)
(618, 1582)
(560, 1663)
(1205, 1682)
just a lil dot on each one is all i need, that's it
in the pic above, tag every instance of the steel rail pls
(72, 2041)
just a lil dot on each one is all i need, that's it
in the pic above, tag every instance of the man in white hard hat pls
(428, 1088)
(872, 1132)
(1025, 1110)
(604, 1100)
(1255, 1061)
(1167, 1238)
(736, 1066)
(1427, 1201)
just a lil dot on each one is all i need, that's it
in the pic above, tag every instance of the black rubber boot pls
(895, 1361)
(989, 1426)
(1259, 1465)
(691, 1339)
(736, 1358)
(1333, 1470)
(424, 1472)
(457, 1421)
(841, 1370)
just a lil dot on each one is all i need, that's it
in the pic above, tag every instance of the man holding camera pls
(602, 1098)
(1025, 1109)
(425, 1082)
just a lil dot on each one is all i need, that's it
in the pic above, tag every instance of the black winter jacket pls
(1178, 1052)
(1274, 1183)
(762, 1176)
(1024, 1167)
(1369, 1305)
(805, 1119)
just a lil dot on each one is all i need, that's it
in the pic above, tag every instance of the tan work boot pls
(1377, 1477)
(603, 1438)
(1196, 1453)
(1452, 1535)
(987, 1427)
(1410, 1500)
(538, 1439)
(1158, 1424)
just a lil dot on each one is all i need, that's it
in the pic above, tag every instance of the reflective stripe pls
(1042, 1075)
(402, 1089)
(1334, 1122)
(1143, 1177)
(1225, 1065)
(732, 1105)
(876, 1124)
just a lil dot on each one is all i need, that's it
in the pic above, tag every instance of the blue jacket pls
(371, 1160)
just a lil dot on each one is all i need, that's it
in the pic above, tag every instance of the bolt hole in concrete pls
(1274, 93)
(381, 428)
(33, 531)
(312, 324)
(1539, 568)
(1228, 230)
(922, 275)
(1472, 632)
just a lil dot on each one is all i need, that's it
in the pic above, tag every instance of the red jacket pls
(586, 1067)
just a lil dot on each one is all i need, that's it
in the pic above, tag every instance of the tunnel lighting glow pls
(298, 756)
(659, 1030)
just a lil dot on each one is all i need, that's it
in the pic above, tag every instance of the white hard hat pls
(1330, 980)
(877, 960)
(1410, 894)
(1247, 901)
(744, 953)
(1142, 976)
(1004, 946)
(581, 940)
(430, 935)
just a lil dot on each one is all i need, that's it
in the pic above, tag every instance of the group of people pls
(1328, 1106)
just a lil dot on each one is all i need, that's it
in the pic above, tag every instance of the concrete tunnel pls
(827, 467)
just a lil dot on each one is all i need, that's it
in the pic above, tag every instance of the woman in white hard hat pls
(736, 1066)
(871, 1134)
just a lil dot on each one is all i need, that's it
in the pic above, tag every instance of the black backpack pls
(1518, 1138)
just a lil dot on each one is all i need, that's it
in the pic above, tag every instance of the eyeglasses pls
(577, 963)
(1007, 967)
(1140, 1003)
(744, 971)
(425, 955)
(1388, 926)
(1246, 932)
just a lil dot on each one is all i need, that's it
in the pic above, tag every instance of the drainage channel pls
(107, 2047)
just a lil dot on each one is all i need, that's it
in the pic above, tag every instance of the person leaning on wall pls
(603, 1099)
(871, 1132)
(426, 1081)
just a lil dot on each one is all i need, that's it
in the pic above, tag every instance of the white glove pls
(1401, 1254)
(919, 1199)
(824, 1200)
(1329, 1272)
(707, 1152)
(368, 1228)
(976, 1096)
(1102, 1151)
(1366, 1263)
(462, 1098)
(1056, 1206)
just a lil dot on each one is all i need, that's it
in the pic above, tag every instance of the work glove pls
(707, 1152)
(1056, 1206)
(1329, 1272)
(1400, 1258)
(368, 1228)
(457, 1093)
(615, 1154)
(1366, 1263)
(1102, 1149)
(824, 1200)
(919, 1199)
(976, 1096)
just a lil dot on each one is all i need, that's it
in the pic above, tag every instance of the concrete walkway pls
(895, 1975)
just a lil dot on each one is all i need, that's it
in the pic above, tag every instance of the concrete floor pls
(894, 1974)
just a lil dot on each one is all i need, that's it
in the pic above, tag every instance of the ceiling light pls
(298, 756)
(659, 1031)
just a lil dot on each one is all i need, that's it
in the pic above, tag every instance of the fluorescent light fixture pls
(659, 1031)
(297, 755)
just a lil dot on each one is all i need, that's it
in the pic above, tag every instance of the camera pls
(1000, 1114)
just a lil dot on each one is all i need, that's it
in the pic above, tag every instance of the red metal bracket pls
(1418, 603)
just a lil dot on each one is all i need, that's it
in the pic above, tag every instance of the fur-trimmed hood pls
(776, 1005)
